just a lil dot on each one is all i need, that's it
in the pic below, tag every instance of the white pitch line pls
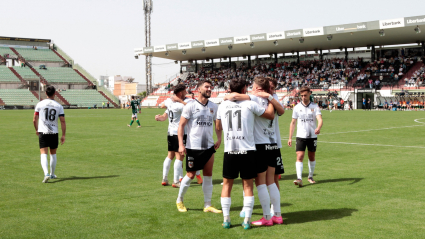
(400, 146)
(417, 121)
(366, 130)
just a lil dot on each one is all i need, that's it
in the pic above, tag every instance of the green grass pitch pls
(370, 174)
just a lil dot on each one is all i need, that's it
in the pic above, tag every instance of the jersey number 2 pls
(50, 114)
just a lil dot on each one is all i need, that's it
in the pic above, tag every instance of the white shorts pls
(134, 115)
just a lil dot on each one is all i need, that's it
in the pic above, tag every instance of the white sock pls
(45, 164)
(311, 166)
(166, 168)
(198, 172)
(299, 166)
(207, 188)
(183, 188)
(225, 206)
(271, 209)
(248, 205)
(264, 197)
(52, 164)
(274, 198)
(177, 170)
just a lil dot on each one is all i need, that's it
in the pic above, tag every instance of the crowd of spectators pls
(417, 78)
(317, 74)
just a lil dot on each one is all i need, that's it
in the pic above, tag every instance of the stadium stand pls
(17, 97)
(6, 75)
(42, 55)
(61, 75)
(25, 72)
(83, 98)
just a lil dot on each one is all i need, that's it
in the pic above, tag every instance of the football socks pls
(264, 197)
(178, 171)
(207, 188)
(225, 205)
(44, 164)
(299, 166)
(52, 164)
(137, 121)
(166, 168)
(311, 166)
(185, 183)
(274, 198)
(248, 205)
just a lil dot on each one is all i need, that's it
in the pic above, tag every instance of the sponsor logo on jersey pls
(211, 110)
(238, 152)
(271, 147)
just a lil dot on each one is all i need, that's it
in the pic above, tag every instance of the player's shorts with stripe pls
(239, 162)
(173, 142)
(196, 159)
(310, 144)
(48, 140)
(134, 115)
(265, 156)
(279, 163)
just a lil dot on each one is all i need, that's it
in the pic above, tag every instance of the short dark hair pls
(305, 89)
(178, 88)
(132, 96)
(272, 80)
(50, 91)
(262, 82)
(200, 83)
(236, 85)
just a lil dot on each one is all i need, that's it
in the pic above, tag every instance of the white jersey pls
(264, 132)
(237, 119)
(276, 125)
(306, 123)
(200, 124)
(49, 112)
(174, 111)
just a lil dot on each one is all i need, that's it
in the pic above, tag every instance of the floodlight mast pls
(148, 7)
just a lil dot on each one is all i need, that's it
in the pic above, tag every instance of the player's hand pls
(62, 139)
(217, 144)
(37, 133)
(290, 142)
(317, 131)
(156, 117)
(264, 95)
(182, 150)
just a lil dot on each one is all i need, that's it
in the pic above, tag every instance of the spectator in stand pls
(377, 82)
(370, 83)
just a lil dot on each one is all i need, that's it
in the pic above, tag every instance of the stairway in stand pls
(40, 76)
(85, 78)
(2, 102)
(17, 53)
(19, 76)
(60, 99)
(109, 99)
(63, 59)
(35, 93)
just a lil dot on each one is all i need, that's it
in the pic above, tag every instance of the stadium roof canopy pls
(396, 31)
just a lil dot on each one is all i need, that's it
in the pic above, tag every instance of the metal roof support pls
(275, 58)
(249, 62)
(346, 54)
(373, 53)
(298, 57)
(423, 49)
(321, 55)
(196, 66)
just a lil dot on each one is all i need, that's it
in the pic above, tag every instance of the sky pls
(101, 35)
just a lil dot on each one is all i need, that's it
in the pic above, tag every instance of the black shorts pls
(310, 143)
(279, 163)
(196, 159)
(48, 140)
(173, 142)
(265, 156)
(242, 162)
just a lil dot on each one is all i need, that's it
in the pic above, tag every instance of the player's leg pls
(166, 167)
(131, 122)
(198, 177)
(301, 145)
(53, 160)
(207, 186)
(44, 164)
(178, 170)
(312, 146)
(137, 121)
(184, 186)
(248, 201)
(264, 197)
(226, 200)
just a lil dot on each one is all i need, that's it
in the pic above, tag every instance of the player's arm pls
(180, 134)
(63, 127)
(218, 132)
(236, 97)
(162, 106)
(291, 131)
(177, 99)
(161, 117)
(269, 113)
(277, 106)
(319, 124)
(35, 121)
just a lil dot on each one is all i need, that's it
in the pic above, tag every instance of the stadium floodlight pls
(381, 32)
(175, 62)
(166, 53)
(230, 47)
(184, 52)
(276, 43)
(301, 40)
(329, 37)
(252, 45)
(203, 49)
(417, 30)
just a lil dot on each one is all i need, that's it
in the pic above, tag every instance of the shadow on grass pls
(81, 178)
(258, 206)
(317, 215)
(336, 180)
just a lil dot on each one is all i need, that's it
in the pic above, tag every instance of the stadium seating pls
(25, 72)
(84, 98)
(38, 55)
(6, 50)
(61, 75)
(150, 101)
(18, 97)
(6, 75)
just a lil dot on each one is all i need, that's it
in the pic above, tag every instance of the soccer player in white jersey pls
(199, 115)
(47, 113)
(236, 118)
(173, 113)
(267, 148)
(306, 113)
